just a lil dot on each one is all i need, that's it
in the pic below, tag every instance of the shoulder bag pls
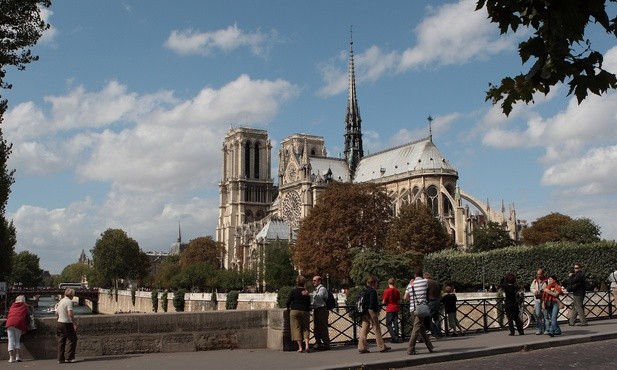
(422, 309)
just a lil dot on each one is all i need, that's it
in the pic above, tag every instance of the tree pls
(170, 267)
(74, 273)
(556, 227)
(416, 230)
(202, 249)
(382, 264)
(558, 44)
(26, 270)
(347, 218)
(279, 270)
(490, 236)
(21, 26)
(116, 256)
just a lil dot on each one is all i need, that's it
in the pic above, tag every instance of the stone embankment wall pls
(109, 303)
(101, 335)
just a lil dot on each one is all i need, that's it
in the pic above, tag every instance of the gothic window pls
(247, 160)
(291, 208)
(256, 171)
(260, 215)
(433, 200)
(249, 216)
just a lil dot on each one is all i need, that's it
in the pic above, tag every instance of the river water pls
(46, 302)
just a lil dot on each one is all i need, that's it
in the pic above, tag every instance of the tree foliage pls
(416, 230)
(561, 49)
(382, 264)
(348, 217)
(74, 272)
(21, 26)
(26, 270)
(556, 227)
(203, 249)
(279, 270)
(491, 236)
(116, 256)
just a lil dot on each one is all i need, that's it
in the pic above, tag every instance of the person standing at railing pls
(537, 289)
(66, 329)
(320, 315)
(391, 298)
(577, 288)
(550, 303)
(612, 278)
(510, 289)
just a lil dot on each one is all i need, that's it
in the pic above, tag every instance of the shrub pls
(281, 297)
(133, 296)
(155, 300)
(214, 300)
(232, 300)
(164, 301)
(179, 300)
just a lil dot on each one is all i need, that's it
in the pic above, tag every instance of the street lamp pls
(328, 280)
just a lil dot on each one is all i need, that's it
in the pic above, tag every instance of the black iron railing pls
(474, 315)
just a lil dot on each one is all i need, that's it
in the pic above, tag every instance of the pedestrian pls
(577, 288)
(537, 289)
(299, 305)
(371, 319)
(449, 304)
(66, 330)
(612, 278)
(510, 290)
(550, 303)
(391, 297)
(320, 315)
(16, 325)
(416, 294)
(434, 304)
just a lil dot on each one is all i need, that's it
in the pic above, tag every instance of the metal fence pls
(474, 315)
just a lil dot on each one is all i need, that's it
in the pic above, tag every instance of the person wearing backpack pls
(370, 318)
(320, 315)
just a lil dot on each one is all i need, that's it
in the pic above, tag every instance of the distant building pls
(415, 172)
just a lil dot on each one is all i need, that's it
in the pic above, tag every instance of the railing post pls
(610, 303)
(485, 320)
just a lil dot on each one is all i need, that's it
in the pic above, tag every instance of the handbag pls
(422, 310)
(30, 321)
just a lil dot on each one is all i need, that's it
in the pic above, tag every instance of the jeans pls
(539, 316)
(392, 325)
(432, 322)
(551, 314)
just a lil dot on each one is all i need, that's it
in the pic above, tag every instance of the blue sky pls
(120, 123)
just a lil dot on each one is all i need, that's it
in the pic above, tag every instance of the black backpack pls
(362, 303)
(330, 301)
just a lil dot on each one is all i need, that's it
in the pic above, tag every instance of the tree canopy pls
(203, 249)
(348, 217)
(21, 26)
(279, 271)
(418, 231)
(116, 256)
(26, 270)
(556, 227)
(490, 236)
(74, 273)
(558, 46)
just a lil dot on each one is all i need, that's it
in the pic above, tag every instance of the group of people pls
(299, 303)
(66, 329)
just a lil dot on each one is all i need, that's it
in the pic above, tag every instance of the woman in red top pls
(16, 325)
(550, 304)
(391, 298)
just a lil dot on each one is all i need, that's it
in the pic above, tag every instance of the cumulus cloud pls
(157, 156)
(50, 34)
(192, 42)
(468, 36)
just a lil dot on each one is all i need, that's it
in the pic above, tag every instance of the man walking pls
(612, 278)
(320, 315)
(416, 294)
(66, 327)
(537, 289)
(371, 319)
(577, 288)
(433, 323)
(391, 298)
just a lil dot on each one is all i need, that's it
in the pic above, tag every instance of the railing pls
(474, 315)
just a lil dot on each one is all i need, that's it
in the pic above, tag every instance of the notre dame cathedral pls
(254, 211)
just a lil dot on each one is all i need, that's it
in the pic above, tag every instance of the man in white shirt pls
(66, 330)
(416, 293)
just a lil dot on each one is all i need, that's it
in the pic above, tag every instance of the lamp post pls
(328, 280)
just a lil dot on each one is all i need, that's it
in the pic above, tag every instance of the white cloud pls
(190, 42)
(451, 34)
(50, 34)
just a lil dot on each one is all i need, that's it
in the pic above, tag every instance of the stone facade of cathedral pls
(253, 211)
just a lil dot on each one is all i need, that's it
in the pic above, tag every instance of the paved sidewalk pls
(344, 357)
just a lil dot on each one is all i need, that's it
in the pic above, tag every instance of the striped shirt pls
(420, 286)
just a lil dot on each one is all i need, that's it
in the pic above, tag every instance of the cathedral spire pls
(179, 233)
(353, 128)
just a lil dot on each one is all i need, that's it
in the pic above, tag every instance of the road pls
(594, 355)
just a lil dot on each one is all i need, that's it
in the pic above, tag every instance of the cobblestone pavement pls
(595, 355)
